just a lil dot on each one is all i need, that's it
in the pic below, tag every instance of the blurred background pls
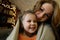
(27, 4)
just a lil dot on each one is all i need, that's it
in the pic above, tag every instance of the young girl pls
(28, 26)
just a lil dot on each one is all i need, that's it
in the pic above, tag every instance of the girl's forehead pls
(28, 15)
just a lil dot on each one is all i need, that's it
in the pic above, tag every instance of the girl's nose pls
(32, 23)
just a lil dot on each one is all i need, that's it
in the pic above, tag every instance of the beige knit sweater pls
(45, 33)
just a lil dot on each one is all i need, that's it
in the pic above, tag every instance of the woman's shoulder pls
(46, 33)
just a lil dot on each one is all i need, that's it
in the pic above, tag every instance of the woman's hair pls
(55, 20)
(24, 13)
(39, 3)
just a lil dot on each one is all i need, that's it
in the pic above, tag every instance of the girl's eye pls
(29, 21)
(35, 21)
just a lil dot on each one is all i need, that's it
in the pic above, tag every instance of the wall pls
(26, 4)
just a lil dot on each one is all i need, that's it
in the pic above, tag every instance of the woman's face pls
(29, 23)
(45, 12)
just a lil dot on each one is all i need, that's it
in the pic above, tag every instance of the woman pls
(47, 12)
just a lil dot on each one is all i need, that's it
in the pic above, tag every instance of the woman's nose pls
(42, 14)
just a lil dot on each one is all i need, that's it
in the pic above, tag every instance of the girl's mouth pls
(32, 27)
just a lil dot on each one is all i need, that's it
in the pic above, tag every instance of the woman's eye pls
(47, 15)
(41, 9)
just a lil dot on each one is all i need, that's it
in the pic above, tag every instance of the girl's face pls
(29, 23)
(45, 12)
